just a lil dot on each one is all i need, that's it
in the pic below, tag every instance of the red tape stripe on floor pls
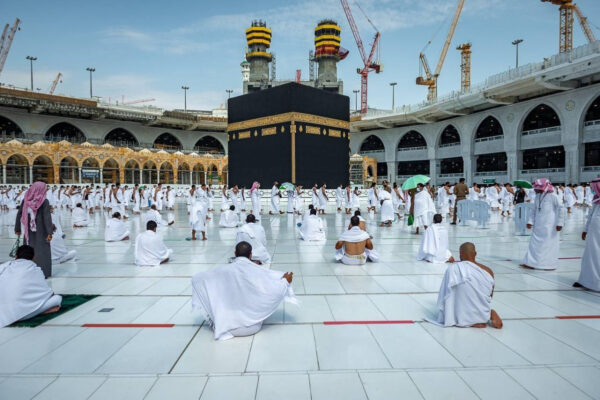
(578, 317)
(367, 322)
(128, 325)
(569, 258)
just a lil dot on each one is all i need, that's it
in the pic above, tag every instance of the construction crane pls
(430, 79)
(55, 83)
(126, 103)
(6, 41)
(369, 64)
(566, 24)
(465, 67)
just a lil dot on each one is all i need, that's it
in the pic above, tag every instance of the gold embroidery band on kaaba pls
(287, 117)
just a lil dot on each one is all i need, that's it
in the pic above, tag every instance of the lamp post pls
(185, 89)
(356, 99)
(393, 85)
(90, 69)
(229, 91)
(31, 60)
(516, 43)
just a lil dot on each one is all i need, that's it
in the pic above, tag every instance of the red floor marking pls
(128, 325)
(578, 317)
(367, 322)
(569, 258)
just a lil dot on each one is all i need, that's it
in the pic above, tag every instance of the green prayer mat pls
(69, 302)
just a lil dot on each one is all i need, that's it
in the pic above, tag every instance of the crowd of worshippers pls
(465, 293)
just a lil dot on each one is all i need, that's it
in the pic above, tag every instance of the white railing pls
(450, 145)
(488, 139)
(499, 79)
(591, 123)
(412, 148)
(542, 130)
(367, 152)
(453, 175)
(542, 171)
(591, 168)
(491, 173)
(402, 177)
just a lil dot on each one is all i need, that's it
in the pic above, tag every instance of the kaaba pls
(289, 133)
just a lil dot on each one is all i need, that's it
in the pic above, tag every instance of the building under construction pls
(324, 58)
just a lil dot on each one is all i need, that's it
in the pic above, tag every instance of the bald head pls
(467, 251)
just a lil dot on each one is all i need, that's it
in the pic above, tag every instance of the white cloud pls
(42, 78)
(166, 42)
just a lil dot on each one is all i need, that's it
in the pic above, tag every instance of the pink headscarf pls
(595, 185)
(254, 187)
(544, 185)
(34, 197)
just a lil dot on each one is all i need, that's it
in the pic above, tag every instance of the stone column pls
(30, 174)
(157, 175)
(79, 172)
(392, 170)
(175, 172)
(512, 166)
(4, 174)
(56, 169)
(572, 169)
(101, 175)
(121, 175)
(470, 165)
(433, 170)
(205, 177)
(191, 176)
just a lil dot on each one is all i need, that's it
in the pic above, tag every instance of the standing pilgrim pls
(339, 197)
(589, 278)
(255, 198)
(422, 208)
(323, 198)
(36, 221)
(275, 199)
(547, 219)
(387, 208)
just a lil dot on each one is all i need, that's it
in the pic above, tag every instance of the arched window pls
(593, 113)
(68, 171)
(64, 131)
(213, 175)
(149, 173)
(492, 162)
(167, 141)
(541, 117)
(183, 174)
(17, 169)
(121, 138)
(9, 130)
(420, 167)
(547, 157)
(166, 173)
(132, 172)
(43, 170)
(209, 144)
(489, 128)
(90, 171)
(454, 165)
(110, 171)
(198, 175)
(450, 137)
(372, 143)
(412, 140)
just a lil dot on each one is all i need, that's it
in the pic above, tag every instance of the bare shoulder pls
(487, 269)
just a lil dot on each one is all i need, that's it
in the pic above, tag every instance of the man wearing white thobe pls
(116, 230)
(423, 208)
(79, 217)
(547, 220)
(434, 243)
(465, 295)
(387, 207)
(253, 233)
(24, 292)
(275, 199)
(58, 249)
(238, 297)
(150, 250)
(589, 278)
(339, 197)
(229, 218)
(312, 227)
(198, 219)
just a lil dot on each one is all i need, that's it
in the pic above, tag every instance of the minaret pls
(245, 71)
(327, 53)
(258, 37)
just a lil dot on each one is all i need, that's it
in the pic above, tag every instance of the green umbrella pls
(413, 181)
(523, 184)
(287, 186)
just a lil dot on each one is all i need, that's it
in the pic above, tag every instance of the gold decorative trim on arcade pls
(268, 131)
(286, 117)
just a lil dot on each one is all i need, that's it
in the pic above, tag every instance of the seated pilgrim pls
(150, 250)
(79, 217)
(354, 247)
(229, 218)
(154, 215)
(312, 227)
(116, 230)
(466, 293)
(253, 233)
(58, 249)
(362, 223)
(238, 297)
(434, 243)
(24, 292)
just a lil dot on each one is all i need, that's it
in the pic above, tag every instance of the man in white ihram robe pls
(275, 199)
(150, 250)
(58, 249)
(153, 215)
(547, 219)
(229, 218)
(423, 208)
(238, 297)
(79, 217)
(589, 277)
(253, 233)
(387, 207)
(359, 241)
(312, 227)
(198, 219)
(116, 230)
(24, 292)
(465, 295)
(434, 243)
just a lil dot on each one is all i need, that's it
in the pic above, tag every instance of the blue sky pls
(149, 49)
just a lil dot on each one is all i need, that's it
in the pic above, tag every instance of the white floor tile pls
(117, 388)
(311, 309)
(574, 334)
(585, 378)
(545, 384)
(353, 308)
(322, 285)
(389, 385)
(494, 385)
(336, 386)
(23, 388)
(71, 388)
(283, 348)
(289, 387)
(448, 385)
(230, 388)
(177, 387)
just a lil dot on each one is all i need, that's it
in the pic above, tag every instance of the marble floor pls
(306, 352)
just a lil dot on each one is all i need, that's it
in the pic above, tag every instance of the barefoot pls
(450, 260)
(52, 310)
(478, 325)
(495, 320)
(525, 266)
(126, 238)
